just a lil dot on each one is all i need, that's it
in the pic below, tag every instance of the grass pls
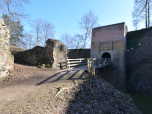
(143, 102)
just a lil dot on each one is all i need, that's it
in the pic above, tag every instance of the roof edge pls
(110, 25)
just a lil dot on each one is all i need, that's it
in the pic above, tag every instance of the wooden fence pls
(75, 62)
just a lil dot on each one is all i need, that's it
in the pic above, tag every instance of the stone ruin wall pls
(6, 58)
(51, 55)
(59, 52)
(139, 62)
(111, 39)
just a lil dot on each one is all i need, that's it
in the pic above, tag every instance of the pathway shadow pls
(61, 76)
(71, 77)
(47, 79)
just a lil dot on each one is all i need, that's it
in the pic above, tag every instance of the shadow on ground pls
(65, 73)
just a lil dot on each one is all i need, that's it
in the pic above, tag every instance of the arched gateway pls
(108, 42)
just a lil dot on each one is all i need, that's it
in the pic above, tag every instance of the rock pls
(6, 58)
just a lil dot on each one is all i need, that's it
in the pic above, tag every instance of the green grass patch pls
(143, 102)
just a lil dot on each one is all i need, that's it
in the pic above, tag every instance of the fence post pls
(88, 64)
(97, 62)
(68, 64)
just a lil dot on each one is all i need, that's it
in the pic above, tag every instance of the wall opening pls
(106, 55)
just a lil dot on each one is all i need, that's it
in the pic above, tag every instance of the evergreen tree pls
(16, 30)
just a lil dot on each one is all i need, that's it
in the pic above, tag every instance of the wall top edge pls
(110, 25)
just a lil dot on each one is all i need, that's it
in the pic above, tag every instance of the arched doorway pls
(106, 59)
(106, 55)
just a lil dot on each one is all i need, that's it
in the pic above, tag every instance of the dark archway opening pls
(106, 55)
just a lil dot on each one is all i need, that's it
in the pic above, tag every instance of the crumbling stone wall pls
(51, 55)
(6, 58)
(111, 39)
(59, 52)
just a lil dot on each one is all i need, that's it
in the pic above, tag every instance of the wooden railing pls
(87, 61)
(92, 61)
(75, 62)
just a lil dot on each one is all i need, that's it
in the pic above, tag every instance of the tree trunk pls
(148, 16)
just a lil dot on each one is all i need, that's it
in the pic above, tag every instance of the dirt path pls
(27, 79)
(31, 90)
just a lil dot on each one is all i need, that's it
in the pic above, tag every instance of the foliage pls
(16, 30)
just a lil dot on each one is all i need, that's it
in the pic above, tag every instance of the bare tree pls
(67, 39)
(37, 27)
(43, 29)
(28, 40)
(141, 12)
(13, 7)
(136, 23)
(47, 30)
(25, 40)
(87, 22)
(77, 41)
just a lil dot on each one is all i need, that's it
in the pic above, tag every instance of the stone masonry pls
(54, 53)
(6, 58)
(139, 61)
(111, 39)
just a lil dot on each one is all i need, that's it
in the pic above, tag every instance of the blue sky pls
(64, 14)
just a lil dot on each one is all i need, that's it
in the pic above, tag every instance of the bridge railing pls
(75, 62)
(91, 61)
(84, 61)
(90, 68)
